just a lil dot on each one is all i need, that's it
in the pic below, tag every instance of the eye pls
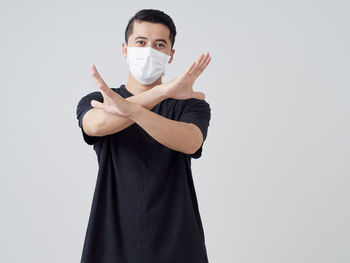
(160, 44)
(139, 41)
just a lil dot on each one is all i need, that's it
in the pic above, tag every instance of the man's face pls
(147, 34)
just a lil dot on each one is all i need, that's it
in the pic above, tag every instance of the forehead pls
(150, 30)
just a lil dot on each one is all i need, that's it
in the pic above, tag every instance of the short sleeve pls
(198, 112)
(84, 105)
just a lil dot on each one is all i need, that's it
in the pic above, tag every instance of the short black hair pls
(154, 16)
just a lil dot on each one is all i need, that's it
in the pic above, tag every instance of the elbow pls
(195, 143)
(194, 147)
(91, 128)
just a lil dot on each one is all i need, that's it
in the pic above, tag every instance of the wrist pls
(161, 91)
(134, 110)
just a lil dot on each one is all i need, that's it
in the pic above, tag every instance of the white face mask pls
(146, 64)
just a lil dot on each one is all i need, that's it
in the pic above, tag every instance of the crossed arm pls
(176, 135)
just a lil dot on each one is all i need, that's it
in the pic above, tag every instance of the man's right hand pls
(181, 87)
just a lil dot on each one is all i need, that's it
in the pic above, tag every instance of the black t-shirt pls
(144, 208)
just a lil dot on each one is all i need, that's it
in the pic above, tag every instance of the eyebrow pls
(159, 39)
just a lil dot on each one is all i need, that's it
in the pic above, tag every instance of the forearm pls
(107, 123)
(179, 136)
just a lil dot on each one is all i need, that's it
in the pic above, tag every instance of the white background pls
(273, 179)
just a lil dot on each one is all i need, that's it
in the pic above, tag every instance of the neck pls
(135, 87)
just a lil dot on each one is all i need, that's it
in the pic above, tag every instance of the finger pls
(198, 61)
(96, 104)
(203, 66)
(203, 61)
(104, 91)
(191, 67)
(98, 79)
(198, 95)
(194, 65)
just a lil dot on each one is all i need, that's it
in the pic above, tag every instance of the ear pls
(172, 55)
(124, 49)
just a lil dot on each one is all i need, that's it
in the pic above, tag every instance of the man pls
(145, 133)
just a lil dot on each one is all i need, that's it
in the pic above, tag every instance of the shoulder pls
(94, 95)
(197, 103)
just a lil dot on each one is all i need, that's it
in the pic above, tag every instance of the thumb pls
(96, 104)
(198, 95)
